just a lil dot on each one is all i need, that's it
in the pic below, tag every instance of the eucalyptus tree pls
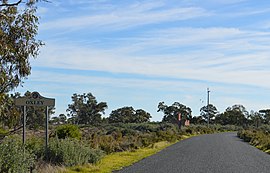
(18, 43)
(10, 115)
(255, 118)
(172, 112)
(266, 116)
(129, 115)
(235, 115)
(85, 109)
(210, 111)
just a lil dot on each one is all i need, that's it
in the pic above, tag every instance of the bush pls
(3, 133)
(256, 137)
(68, 131)
(14, 157)
(36, 145)
(71, 152)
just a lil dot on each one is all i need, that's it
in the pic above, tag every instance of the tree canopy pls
(10, 115)
(129, 115)
(18, 43)
(85, 109)
(212, 112)
(266, 115)
(235, 115)
(171, 112)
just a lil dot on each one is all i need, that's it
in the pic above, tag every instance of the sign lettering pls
(34, 100)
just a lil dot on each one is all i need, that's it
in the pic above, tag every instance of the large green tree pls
(235, 115)
(210, 110)
(171, 112)
(266, 115)
(85, 109)
(255, 118)
(18, 43)
(129, 115)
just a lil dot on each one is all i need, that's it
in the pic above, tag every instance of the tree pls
(235, 115)
(61, 119)
(54, 120)
(212, 112)
(171, 112)
(18, 43)
(129, 115)
(85, 109)
(10, 115)
(141, 116)
(266, 115)
(197, 120)
(255, 118)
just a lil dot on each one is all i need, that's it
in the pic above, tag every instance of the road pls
(214, 153)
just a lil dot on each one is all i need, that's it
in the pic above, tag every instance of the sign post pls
(47, 128)
(35, 99)
(24, 122)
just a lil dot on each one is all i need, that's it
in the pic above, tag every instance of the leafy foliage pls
(14, 158)
(129, 115)
(210, 110)
(256, 137)
(18, 29)
(61, 119)
(129, 136)
(71, 152)
(85, 109)
(10, 115)
(235, 115)
(255, 119)
(171, 112)
(266, 115)
(68, 131)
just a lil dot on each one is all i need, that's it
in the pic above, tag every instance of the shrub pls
(3, 133)
(246, 135)
(14, 157)
(256, 137)
(68, 131)
(36, 145)
(71, 152)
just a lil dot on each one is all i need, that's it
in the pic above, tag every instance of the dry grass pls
(117, 161)
(44, 167)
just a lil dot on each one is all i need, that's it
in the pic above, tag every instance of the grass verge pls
(117, 161)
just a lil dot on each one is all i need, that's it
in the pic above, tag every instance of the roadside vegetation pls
(85, 141)
(258, 137)
(83, 138)
(94, 147)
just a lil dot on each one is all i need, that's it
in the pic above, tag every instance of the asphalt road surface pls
(215, 153)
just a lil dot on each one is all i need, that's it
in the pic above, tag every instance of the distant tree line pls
(86, 110)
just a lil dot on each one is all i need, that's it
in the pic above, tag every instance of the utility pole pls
(208, 97)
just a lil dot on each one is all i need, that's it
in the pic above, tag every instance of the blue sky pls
(138, 53)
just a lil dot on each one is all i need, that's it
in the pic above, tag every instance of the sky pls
(141, 52)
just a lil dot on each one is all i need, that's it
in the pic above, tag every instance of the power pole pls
(208, 97)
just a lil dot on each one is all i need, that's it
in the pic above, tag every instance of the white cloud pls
(180, 48)
(226, 55)
(126, 16)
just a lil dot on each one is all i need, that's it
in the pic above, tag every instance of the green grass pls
(117, 161)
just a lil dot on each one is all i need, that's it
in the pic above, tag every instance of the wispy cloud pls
(126, 17)
(173, 48)
(220, 66)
